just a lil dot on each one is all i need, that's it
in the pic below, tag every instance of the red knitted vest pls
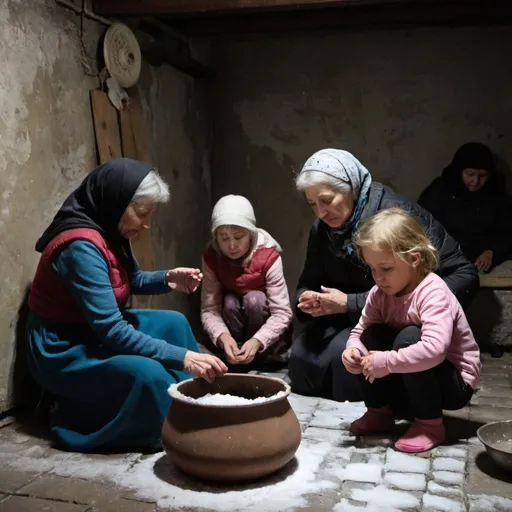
(237, 278)
(48, 296)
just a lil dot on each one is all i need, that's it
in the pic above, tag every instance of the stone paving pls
(333, 470)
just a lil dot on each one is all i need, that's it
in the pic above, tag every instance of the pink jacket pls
(278, 300)
(445, 332)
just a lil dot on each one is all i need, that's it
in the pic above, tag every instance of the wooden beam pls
(152, 7)
(399, 15)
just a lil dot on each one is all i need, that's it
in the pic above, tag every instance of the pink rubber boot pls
(374, 421)
(423, 435)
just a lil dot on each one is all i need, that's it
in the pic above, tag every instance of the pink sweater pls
(278, 301)
(445, 332)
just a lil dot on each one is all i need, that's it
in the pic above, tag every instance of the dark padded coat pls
(327, 265)
(480, 220)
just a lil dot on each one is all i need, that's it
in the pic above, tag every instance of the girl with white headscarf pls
(334, 284)
(245, 306)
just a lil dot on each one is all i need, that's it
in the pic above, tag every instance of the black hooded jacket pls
(478, 220)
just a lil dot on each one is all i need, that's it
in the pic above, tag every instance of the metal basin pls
(497, 439)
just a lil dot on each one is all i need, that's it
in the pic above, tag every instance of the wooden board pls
(133, 129)
(136, 7)
(106, 127)
(134, 145)
(489, 281)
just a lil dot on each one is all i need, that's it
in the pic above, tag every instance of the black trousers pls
(315, 366)
(425, 394)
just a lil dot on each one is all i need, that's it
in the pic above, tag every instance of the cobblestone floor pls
(332, 471)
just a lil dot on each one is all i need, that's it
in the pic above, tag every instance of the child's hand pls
(351, 359)
(367, 366)
(227, 343)
(248, 351)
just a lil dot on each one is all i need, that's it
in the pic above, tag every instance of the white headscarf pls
(233, 210)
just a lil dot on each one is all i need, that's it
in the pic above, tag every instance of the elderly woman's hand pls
(205, 366)
(484, 262)
(308, 301)
(183, 279)
(329, 302)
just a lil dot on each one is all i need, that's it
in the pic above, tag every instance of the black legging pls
(425, 393)
(315, 366)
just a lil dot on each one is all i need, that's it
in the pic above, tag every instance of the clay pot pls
(231, 443)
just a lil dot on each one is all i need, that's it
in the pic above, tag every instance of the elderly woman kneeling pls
(334, 284)
(108, 367)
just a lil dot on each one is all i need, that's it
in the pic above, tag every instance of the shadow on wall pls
(26, 391)
(503, 167)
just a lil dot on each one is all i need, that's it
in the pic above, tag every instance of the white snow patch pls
(359, 472)
(382, 496)
(406, 481)
(484, 503)
(323, 419)
(444, 504)
(303, 404)
(332, 436)
(446, 464)
(155, 479)
(332, 414)
(343, 408)
(448, 477)
(345, 506)
(403, 463)
(377, 458)
(450, 451)
(442, 490)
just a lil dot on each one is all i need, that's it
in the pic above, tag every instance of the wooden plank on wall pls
(134, 142)
(125, 136)
(106, 127)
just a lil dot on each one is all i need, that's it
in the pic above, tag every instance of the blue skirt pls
(106, 401)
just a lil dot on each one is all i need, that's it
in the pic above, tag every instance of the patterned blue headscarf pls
(346, 167)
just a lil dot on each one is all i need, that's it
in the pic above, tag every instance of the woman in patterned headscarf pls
(333, 286)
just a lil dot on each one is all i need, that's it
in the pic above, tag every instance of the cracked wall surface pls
(47, 147)
(402, 101)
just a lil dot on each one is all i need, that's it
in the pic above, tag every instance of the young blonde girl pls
(245, 306)
(413, 338)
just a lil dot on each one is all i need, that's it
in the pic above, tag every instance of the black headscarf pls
(473, 155)
(99, 203)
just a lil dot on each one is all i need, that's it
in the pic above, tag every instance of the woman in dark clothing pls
(333, 286)
(108, 367)
(469, 199)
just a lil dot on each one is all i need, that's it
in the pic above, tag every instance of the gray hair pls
(308, 179)
(152, 189)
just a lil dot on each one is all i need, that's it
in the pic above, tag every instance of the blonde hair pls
(399, 232)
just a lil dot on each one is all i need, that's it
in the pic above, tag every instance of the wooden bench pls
(499, 277)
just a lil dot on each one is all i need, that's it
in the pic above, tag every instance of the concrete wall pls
(401, 101)
(178, 116)
(47, 146)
